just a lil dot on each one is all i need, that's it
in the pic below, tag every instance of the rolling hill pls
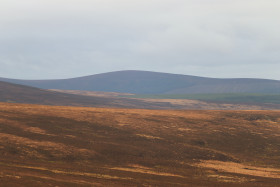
(145, 82)
(14, 93)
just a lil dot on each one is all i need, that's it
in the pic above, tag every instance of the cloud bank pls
(217, 38)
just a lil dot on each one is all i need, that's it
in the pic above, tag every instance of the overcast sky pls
(43, 39)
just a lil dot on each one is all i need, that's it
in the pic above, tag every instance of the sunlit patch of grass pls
(149, 137)
(145, 170)
(240, 168)
(95, 175)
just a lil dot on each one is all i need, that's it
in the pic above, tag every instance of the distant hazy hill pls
(144, 82)
(15, 93)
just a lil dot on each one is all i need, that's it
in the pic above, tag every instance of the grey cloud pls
(59, 39)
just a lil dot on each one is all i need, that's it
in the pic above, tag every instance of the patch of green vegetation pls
(228, 97)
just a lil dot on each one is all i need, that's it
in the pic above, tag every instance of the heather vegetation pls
(74, 146)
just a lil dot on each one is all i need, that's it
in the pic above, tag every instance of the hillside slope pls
(15, 93)
(144, 82)
(72, 146)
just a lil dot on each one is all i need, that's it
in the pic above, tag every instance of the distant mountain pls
(14, 93)
(145, 82)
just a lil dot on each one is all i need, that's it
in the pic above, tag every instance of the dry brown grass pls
(239, 168)
(70, 146)
(145, 170)
(167, 103)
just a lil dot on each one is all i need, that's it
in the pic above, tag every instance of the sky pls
(51, 39)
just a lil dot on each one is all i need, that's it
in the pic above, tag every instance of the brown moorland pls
(171, 104)
(82, 146)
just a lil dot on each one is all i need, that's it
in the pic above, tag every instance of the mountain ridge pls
(148, 82)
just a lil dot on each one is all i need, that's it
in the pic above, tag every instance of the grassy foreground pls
(75, 146)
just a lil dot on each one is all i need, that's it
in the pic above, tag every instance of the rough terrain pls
(75, 146)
